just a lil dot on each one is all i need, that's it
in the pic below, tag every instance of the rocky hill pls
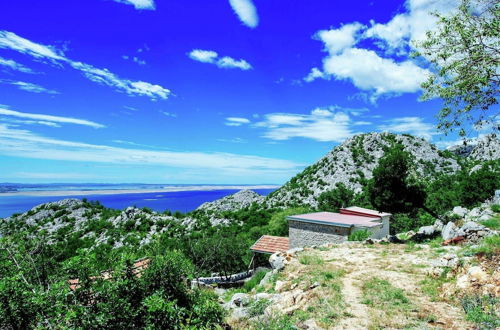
(69, 219)
(234, 202)
(485, 148)
(353, 161)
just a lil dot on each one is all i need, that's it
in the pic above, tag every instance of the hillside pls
(353, 161)
(360, 286)
(88, 223)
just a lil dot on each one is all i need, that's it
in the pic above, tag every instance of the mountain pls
(485, 148)
(353, 161)
(89, 223)
(234, 202)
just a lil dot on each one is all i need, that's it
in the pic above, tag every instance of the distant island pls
(112, 189)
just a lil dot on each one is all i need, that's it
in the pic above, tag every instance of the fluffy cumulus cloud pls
(24, 143)
(322, 124)
(236, 121)
(13, 65)
(139, 4)
(386, 69)
(12, 41)
(47, 120)
(29, 87)
(246, 11)
(411, 125)
(212, 57)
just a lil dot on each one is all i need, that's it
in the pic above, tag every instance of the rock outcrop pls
(234, 202)
(354, 161)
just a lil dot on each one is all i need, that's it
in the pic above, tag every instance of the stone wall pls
(303, 234)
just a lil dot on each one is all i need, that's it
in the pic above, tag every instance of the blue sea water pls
(183, 201)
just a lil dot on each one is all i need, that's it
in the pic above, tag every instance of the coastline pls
(67, 193)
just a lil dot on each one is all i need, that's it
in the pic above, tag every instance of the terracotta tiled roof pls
(137, 268)
(337, 219)
(271, 244)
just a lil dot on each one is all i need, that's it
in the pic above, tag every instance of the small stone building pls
(325, 227)
(328, 227)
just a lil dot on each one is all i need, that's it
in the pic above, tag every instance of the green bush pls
(495, 208)
(359, 235)
(482, 310)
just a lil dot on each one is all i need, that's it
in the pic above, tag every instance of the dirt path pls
(402, 269)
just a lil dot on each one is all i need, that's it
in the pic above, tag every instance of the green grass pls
(254, 281)
(310, 259)
(257, 307)
(489, 246)
(359, 235)
(481, 310)
(495, 208)
(430, 286)
(493, 223)
(381, 294)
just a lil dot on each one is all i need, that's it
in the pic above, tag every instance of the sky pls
(228, 91)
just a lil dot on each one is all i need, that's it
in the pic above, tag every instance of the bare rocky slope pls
(353, 161)
(234, 202)
(485, 148)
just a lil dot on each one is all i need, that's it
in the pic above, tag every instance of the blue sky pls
(175, 91)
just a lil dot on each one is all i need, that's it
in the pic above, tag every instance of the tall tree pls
(465, 51)
(393, 188)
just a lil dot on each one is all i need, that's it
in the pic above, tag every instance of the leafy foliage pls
(465, 52)
(393, 189)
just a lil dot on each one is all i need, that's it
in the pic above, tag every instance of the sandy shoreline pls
(131, 191)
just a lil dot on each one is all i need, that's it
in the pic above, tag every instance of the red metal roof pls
(338, 219)
(361, 211)
(271, 244)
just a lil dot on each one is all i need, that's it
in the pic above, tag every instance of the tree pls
(393, 187)
(335, 199)
(465, 50)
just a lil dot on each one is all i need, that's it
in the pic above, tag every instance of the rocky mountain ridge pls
(72, 217)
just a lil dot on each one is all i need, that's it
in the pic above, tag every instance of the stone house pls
(328, 227)
(325, 227)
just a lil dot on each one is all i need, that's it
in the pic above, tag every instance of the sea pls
(183, 201)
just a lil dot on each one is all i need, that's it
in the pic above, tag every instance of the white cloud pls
(236, 121)
(134, 59)
(102, 76)
(321, 125)
(49, 119)
(369, 70)
(337, 40)
(13, 65)
(410, 125)
(169, 114)
(246, 11)
(29, 87)
(228, 62)
(204, 56)
(139, 4)
(24, 143)
(210, 56)
(314, 74)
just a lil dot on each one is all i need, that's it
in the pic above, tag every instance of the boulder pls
(460, 211)
(477, 274)
(438, 225)
(277, 261)
(427, 231)
(240, 299)
(449, 231)
(265, 280)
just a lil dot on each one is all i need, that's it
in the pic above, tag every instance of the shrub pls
(481, 310)
(495, 208)
(335, 199)
(359, 235)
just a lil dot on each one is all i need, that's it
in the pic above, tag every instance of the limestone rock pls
(460, 211)
(449, 231)
(277, 261)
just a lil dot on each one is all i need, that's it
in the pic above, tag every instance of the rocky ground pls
(442, 282)
(358, 286)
